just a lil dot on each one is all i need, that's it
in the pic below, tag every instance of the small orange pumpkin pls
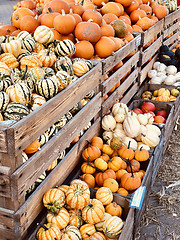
(96, 141)
(135, 166)
(91, 153)
(33, 147)
(102, 176)
(122, 191)
(114, 209)
(141, 155)
(109, 17)
(19, 14)
(120, 173)
(126, 152)
(104, 47)
(112, 184)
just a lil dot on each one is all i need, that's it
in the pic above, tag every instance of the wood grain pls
(5, 181)
(171, 40)
(3, 141)
(170, 18)
(174, 27)
(26, 175)
(127, 231)
(6, 224)
(32, 126)
(119, 92)
(126, 99)
(120, 73)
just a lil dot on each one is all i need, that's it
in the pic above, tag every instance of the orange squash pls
(109, 17)
(33, 147)
(111, 7)
(8, 28)
(122, 191)
(57, 36)
(120, 173)
(137, 14)
(29, 24)
(133, 6)
(107, 30)
(102, 176)
(28, 4)
(94, 15)
(19, 14)
(58, 6)
(125, 19)
(112, 184)
(47, 19)
(84, 49)
(77, 8)
(104, 47)
(145, 23)
(160, 12)
(114, 209)
(125, 3)
(136, 28)
(147, 9)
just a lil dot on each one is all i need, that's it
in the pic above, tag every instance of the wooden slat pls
(171, 29)
(3, 141)
(173, 45)
(120, 73)
(111, 61)
(171, 40)
(152, 32)
(6, 224)
(32, 126)
(145, 70)
(171, 17)
(127, 231)
(119, 92)
(150, 51)
(32, 207)
(26, 175)
(5, 181)
(126, 99)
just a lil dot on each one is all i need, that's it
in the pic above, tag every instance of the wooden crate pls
(148, 51)
(130, 82)
(152, 88)
(171, 29)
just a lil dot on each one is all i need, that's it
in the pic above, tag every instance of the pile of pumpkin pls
(74, 215)
(162, 94)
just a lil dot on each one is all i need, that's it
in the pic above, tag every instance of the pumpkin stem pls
(129, 144)
(41, 225)
(88, 141)
(130, 167)
(141, 148)
(25, 71)
(71, 11)
(50, 10)
(94, 166)
(88, 234)
(63, 12)
(81, 178)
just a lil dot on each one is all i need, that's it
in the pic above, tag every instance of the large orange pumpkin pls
(104, 47)
(29, 24)
(59, 5)
(160, 12)
(133, 6)
(109, 17)
(19, 14)
(88, 31)
(48, 18)
(137, 14)
(92, 14)
(84, 49)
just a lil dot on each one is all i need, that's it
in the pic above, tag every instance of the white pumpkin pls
(156, 80)
(119, 126)
(171, 70)
(170, 80)
(154, 128)
(133, 143)
(143, 130)
(143, 146)
(143, 119)
(161, 75)
(152, 73)
(131, 113)
(177, 76)
(99, 225)
(43, 35)
(112, 227)
(119, 108)
(156, 64)
(119, 117)
(107, 135)
(150, 138)
(161, 67)
(131, 126)
(150, 118)
(108, 123)
(119, 133)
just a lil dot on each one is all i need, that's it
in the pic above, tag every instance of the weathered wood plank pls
(6, 223)
(171, 40)
(111, 61)
(5, 181)
(174, 27)
(152, 32)
(32, 207)
(23, 178)
(126, 99)
(119, 92)
(127, 231)
(120, 73)
(32, 126)
(3, 141)
(170, 18)
(150, 51)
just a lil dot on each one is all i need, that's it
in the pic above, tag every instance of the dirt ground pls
(162, 216)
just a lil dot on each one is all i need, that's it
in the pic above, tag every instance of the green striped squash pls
(69, 116)
(43, 138)
(88, 62)
(52, 131)
(37, 73)
(61, 155)
(64, 64)
(61, 122)
(65, 48)
(48, 71)
(36, 183)
(16, 111)
(4, 101)
(29, 44)
(24, 35)
(46, 87)
(71, 233)
(5, 81)
(64, 79)
(112, 227)
(19, 93)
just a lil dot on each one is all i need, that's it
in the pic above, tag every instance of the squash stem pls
(25, 71)
(129, 144)
(130, 167)
(41, 225)
(94, 166)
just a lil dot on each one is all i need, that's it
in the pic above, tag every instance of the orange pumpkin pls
(33, 147)
(102, 176)
(120, 173)
(77, 18)
(135, 166)
(8, 28)
(122, 191)
(77, 8)
(96, 141)
(105, 157)
(129, 37)
(58, 6)
(107, 30)
(137, 14)
(136, 28)
(160, 11)
(99, 3)
(89, 179)
(29, 24)
(112, 184)
(69, 36)
(114, 209)
(125, 19)
(145, 23)
(130, 182)
(107, 149)
(133, 6)
(84, 49)
(15, 33)
(19, 14)
(109, 17)
(141, 154)
(126, 152)
(104, 47)
(125, 3)
(28, 4)
(116, 163)
(111, 7)
(91, 153)
(57, 36)
(47, 19)
(92, 14)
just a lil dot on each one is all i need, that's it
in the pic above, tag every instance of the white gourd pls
(131, 126)
(150, 118)
(155, 65)
(161, 75)
(119, 133)
(153, 128)
(119, 108)
(119, 117)
(150, 138)
(143, 130)
(171, 70)
(177, 76)
(143, 146)
(156, 80)
(143, 119)
(119, 126)
(133, 143)
(170, 80)
(107, 135)
(161, 67)
(152, 73)
(131, 113)
(108, 123)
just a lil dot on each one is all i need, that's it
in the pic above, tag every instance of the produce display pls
(72, 214)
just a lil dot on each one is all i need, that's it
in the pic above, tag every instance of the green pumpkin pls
(46, 87)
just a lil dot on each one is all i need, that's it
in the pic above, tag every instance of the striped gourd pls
(61, 218)
(6, 39)
(43, 138)
(48, 71)
(47, 57)
(43, 35)
(22, 77)
(9, 60)
(52, 131)
(65, 48)
(64, 64)
(24, 157)
(77, 107)
(74, 78)
(16, 111)
(72, 232)
(13, 47)
(19, 93)
(4, 101)
(1, 117)
(29, 44)
(23, 54)
(89, 62)
(36, 183)
(69, 116)
(80, 68)
(62, 155)
(61, 122)
(39, 47)
(112, 227)
(90, 94)
(37, 73)
(46, 88)
(64, 79)
(4, 68)
(36, 101)
(5, 81)
(24, 35)
(31, 61)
